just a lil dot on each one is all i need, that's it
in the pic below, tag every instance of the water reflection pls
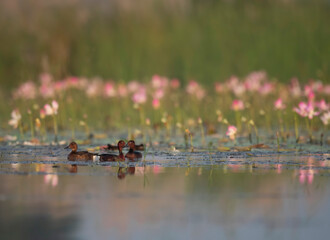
(73, 168)
(51, 179)
(132, 200)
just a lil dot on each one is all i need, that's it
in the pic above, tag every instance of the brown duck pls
(112, 157)
(74, 155)
(139, 147)
(132, 154)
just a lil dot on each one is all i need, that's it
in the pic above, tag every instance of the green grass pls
(206, 40)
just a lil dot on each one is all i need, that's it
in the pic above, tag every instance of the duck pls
(132, 154)
(109, 147)
(139, 147)
(112, 157)
(74, 155)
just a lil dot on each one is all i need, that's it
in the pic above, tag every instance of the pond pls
(166, 195)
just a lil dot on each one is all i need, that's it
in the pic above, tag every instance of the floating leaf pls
(242, 149)
(100, 136)
(261, 145)
(288, 150)
(223, 149)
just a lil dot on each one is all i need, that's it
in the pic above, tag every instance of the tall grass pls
(204, 40)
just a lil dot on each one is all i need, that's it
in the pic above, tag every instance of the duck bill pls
(67, 147)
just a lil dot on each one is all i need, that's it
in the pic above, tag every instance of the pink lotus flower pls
(140, 96)
(306, 110)
(175, 83)
(239, 90)
(15, 118)
(159, 93)
(155, 103)
(322, 105)
(60, 86)
(42, 113)
(326, 89)
(94, 88)
(311, 96)
(237, 105)
(72, 81)
(51, 109)
(26, 90)
(266, 89)
(236, 86)
(133, 86)
(231, 132)
(278, 104)
(159, 82)
(219, 88)
(193, 88)
(109, 90)
(253, 80)
(317, 86)
(294, 88)
(325, 118)
(47, 91)
(122, 90)
(45, 78)
(308, 90)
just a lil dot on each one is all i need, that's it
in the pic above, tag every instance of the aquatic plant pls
(51, 110)
(237, 106)
(164, 102)
(307, 110)
(325, 118)
(15, 121)
(231, 132)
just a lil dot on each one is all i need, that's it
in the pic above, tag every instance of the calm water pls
(169, 195)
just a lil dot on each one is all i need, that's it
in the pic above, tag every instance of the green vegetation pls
(203, 40)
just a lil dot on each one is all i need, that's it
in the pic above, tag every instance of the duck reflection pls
(122, 171)
(73, 168)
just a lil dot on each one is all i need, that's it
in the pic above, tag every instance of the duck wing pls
(139, 147)
(112, 147)
(108, 157)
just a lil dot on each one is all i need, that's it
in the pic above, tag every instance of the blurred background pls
(206, 40)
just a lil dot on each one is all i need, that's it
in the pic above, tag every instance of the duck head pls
(121, 144)
(131, 144)
(72, 146)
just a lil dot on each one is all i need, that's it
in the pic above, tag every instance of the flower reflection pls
(278, 168)
(51, 179)
(306, 175)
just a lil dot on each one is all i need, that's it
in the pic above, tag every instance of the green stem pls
(44, 131)
(280, 120)
(278, 141)
(296, 129)
(257, 134)
(202, 134)
(309, 128)
(191, 143)
(31, 127)
(72, 131)
(238, 121)
(55, 128)
(21, 130)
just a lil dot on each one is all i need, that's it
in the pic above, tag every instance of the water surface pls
(166, 195)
